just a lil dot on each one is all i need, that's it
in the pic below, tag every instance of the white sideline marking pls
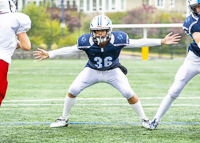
(144, 98)
(37, 73)
(184, 105)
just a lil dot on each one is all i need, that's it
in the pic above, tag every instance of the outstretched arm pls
(67, 51)
(41, 54)
(169, 39)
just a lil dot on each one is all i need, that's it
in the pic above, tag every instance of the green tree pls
(53, 32)
(38, 18)
(43, 30)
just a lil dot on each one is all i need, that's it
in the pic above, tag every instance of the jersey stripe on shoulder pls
(119, 38)
(84, 41)
(189, 22)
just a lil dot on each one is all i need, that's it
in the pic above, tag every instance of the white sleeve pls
(24, 23)
(143, 43)
(67, 51)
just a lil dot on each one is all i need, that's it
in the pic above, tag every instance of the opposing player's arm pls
(196, 37)
(24, 41)
(169, 39)
(41, 54)
(66, 51)
(143, 43)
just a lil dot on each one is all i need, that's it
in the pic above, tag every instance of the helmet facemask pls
(100, 39)
(13, 5)
(8, 6)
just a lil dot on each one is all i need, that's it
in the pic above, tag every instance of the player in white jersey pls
(13, 26)
(103, 47)
(191, 65)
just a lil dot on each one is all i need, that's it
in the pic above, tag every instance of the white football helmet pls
(8, 6)
(100, 22)
(192, 4)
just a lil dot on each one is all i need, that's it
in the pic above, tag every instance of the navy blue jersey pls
(103, 58)
(191, 25)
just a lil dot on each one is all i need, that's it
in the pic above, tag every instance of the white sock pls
(138, 109)
(164, 107)
(69, 103)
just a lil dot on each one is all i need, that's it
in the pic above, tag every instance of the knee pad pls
(174, 93)
(176, 88)
(127, 93)
(74, 90)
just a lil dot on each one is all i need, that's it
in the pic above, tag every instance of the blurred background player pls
(12, 25)
(191, 65)
(103, 47)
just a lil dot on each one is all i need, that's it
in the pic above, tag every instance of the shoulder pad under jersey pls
(189, 24)
(84, 41)
(24, 23)
(119, 38)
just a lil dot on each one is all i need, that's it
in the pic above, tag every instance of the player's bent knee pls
(173, 94)
(3, 87)
(70, 95)
(176, 89)
(127, 93)
(171, 97)
(74, 91)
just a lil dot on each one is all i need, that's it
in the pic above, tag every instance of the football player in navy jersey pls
(103, 47)
(13, 26)
(191, 65)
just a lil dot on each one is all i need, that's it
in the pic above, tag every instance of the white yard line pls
(57, 73)
(143, 98)
(33, 100)
(152, 105)
(39, 73)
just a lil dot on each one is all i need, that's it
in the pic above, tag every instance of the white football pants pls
(189, 69)
(89, 77)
